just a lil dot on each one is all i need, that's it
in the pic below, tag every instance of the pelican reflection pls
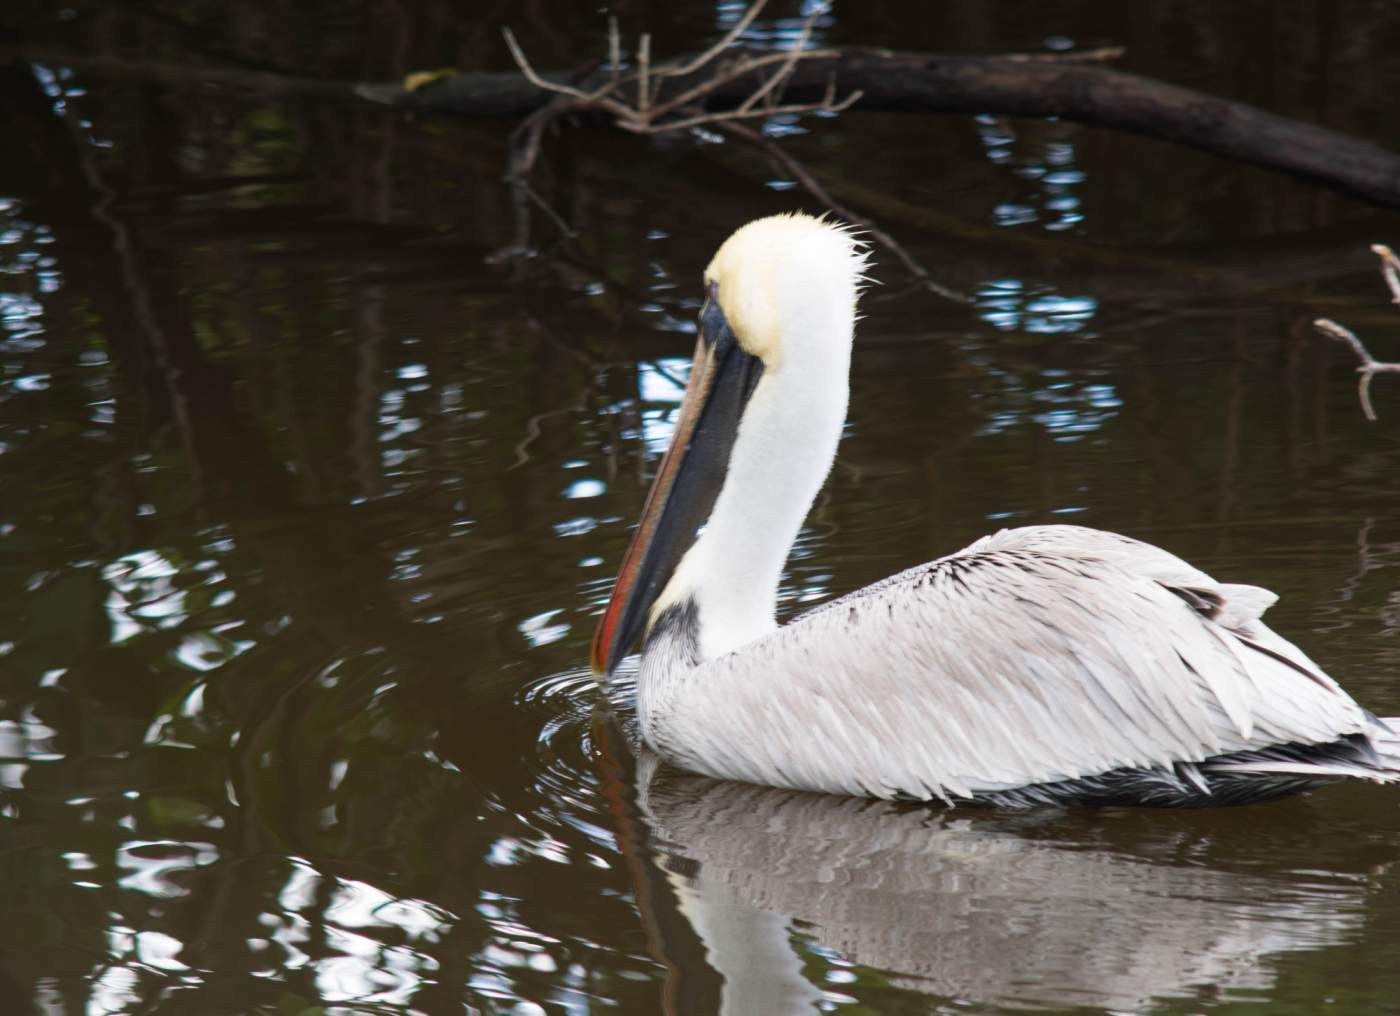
(1106, 910)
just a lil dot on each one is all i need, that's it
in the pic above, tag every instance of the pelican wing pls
(1033, 656)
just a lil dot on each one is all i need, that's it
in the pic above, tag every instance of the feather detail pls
(1035, 656)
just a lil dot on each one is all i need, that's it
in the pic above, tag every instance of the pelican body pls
(1041, 664)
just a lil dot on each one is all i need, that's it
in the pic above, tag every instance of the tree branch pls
(1390, 269)
(1370, 366)
(888, 81)
(645, 116)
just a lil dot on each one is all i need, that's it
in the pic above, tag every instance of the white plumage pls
(1044, 663)
(1034, 656)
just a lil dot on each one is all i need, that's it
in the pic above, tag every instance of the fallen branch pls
(1370, 366)
(889, 81)
(1015, 86)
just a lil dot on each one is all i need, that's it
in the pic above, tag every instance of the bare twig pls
(533, 432)
(643, 75)
(738, 70)
(526, 141)
(526, 138)
(715, 119)
(644, 115)
(730, 37)
(548, 209)
(809, 183)
(583, 99)
(526, 68)
(1369, 368)
(773, 86)
(614, 51)
(1390, 269)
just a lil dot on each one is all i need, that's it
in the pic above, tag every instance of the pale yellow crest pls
(771, 261)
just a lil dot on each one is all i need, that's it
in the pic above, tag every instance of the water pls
(311, 498)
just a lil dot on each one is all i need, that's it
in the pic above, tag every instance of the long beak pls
(722, 377)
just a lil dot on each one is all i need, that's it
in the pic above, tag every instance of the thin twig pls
(643, 71)
(521, 61)
(533, 431)
(708, 119)
(734, 71)
(614, 50)
(730, 37)
(645, 115)
(1369, 368)
(524, 152)
(527, 137)
(598, 98)
(773, 86)
(809, 183)
(1390, 269)
(548, 209)
(682, 112)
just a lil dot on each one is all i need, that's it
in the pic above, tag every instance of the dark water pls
(310, 498)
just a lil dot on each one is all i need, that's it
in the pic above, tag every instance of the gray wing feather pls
(1034, 655)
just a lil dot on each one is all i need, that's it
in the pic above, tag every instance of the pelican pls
(1045, 664)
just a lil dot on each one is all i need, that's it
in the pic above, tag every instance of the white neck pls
(780, 459)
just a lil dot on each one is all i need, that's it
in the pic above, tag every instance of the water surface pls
(312, 494)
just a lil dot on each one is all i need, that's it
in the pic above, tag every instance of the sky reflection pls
(661, 387)
(1040, 160)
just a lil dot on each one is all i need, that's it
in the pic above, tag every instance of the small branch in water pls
(1390, 269)
(554, 216)
(1370, 366)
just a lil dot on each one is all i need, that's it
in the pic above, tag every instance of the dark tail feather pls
(1374, 757)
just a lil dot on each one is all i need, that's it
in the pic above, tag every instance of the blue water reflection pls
(1010, 305)
(661, 386)
(1067, 404)
(1040, 161)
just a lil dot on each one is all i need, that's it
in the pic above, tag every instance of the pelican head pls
(756, 433)
(772, 275)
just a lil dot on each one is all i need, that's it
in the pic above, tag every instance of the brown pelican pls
(1047, 663)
